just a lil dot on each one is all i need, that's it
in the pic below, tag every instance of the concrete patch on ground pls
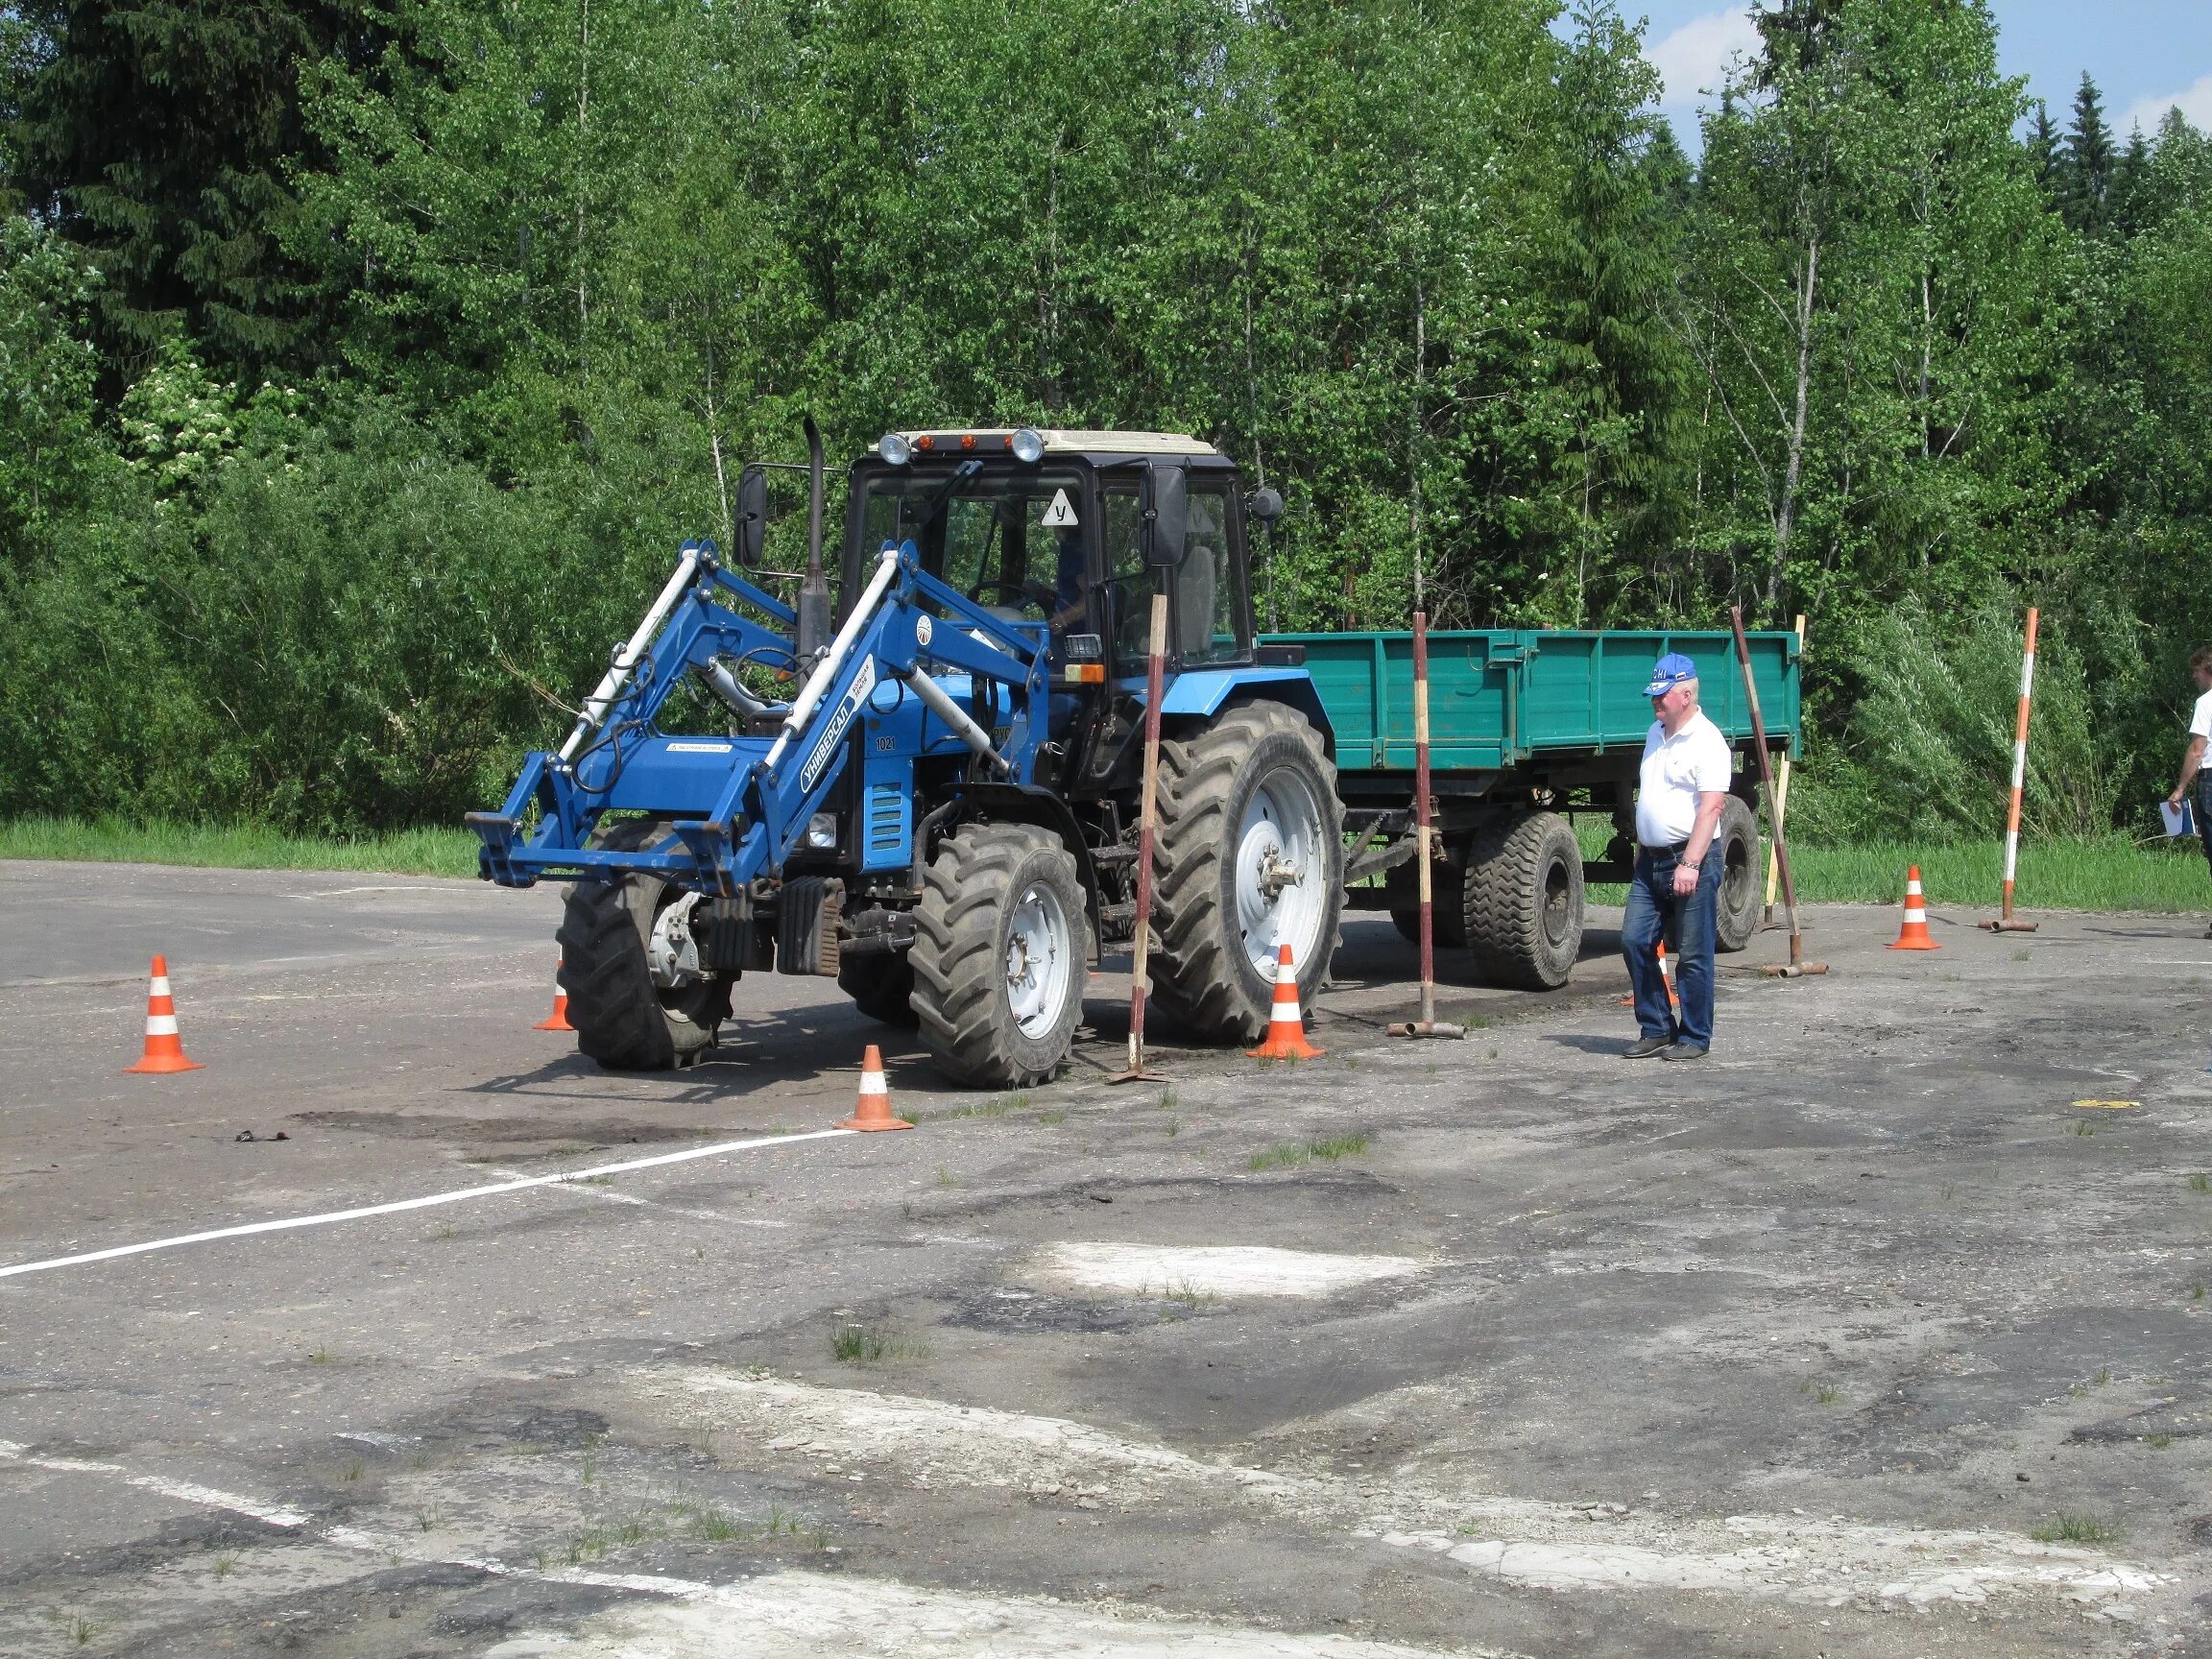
(1213, 1271)
(818, 1616)
(937, 1445)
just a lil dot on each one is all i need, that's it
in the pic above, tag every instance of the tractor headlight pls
(1028, 446)
(895, 448)
(822, 831)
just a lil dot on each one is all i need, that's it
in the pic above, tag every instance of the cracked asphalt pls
(1882, 1331)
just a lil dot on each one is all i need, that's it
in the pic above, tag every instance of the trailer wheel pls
(1446, 920)
(623, 1019)
(1743, 875)
(881, 986)
(1001, 951)
(1522, 901)
(1250, 855)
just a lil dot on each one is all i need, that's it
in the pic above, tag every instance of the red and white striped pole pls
(1427, 1026)
(2005, 923)
(1148, 828)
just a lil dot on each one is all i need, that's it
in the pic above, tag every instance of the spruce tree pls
(2091, 159)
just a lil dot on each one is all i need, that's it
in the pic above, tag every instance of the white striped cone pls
(165, 1049)
(1285, 1023)
(873, 1111)
(1914, 936)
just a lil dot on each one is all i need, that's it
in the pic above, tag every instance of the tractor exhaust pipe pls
(813, 635)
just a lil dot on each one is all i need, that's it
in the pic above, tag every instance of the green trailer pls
(1530, 730)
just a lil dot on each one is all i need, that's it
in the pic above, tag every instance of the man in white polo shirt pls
(1677, 887)
(2196, 785)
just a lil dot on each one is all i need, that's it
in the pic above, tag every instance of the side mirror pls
(1265, 505)
(751, 526)
(1168, 520)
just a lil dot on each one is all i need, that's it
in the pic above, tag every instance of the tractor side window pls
(1128, 579)
(1209, 595)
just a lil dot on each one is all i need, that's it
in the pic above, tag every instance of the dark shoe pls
(1643, 1048)
(1685, 1052)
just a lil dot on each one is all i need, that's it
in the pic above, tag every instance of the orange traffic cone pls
(1286, 1024)
(164, 1050)
(874, 1110)
(558, 1020)
(1914, 936)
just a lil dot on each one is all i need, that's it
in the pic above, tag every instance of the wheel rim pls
(1281, 873)
(1038, 960)
(1558, 916)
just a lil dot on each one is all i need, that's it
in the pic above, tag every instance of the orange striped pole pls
(1147, 831)
(2005, 923)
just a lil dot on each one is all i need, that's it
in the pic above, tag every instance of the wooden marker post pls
(1147, 823)
(2005, 923)
(1797, 966)
(1781, 804)
(1426, 1025)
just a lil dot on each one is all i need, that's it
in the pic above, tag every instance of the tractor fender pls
(1027, 804)
(1200, 695)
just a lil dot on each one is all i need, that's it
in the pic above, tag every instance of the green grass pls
(2075, 1529)
(1291, 1156)
(434, 852)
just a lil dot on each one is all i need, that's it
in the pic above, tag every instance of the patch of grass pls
(427, 1519)
(998, 1108)
(1166, 1100)
(432, 851)
(2066, 1529)
(2199, 1182)
(587, 1545)
(1174, 1126)
(2102, 1376)
(354, 1470)
(2017, 955)
(319, 1355)
(1820, 1393)
(945, 1177)
(1289, 1155)
(588, 1468)
(2196, 1292)
(226, 1565)
(1189, 1295)
(2159, 1442)
(1052, 1118)
(867, 1345)
(2085, 1126)
(78, 1629)
(712, 1526)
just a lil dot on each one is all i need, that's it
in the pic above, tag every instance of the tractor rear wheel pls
(1522, 901)
(1000, 955)
(1743, 872)
(1249, 855)
(623, 1019)
(881, 986)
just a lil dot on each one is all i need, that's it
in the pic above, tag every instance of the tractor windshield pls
(1012, 541)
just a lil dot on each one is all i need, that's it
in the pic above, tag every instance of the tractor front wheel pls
(627, 1017)
(1000, 955)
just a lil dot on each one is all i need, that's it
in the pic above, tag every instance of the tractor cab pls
(1076, 532)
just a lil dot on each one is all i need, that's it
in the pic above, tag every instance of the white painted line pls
(435, 1198)
(183, 1491)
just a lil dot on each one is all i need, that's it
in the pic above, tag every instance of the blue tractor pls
(930, 790)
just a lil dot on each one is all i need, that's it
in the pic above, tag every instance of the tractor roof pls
(1059, 441)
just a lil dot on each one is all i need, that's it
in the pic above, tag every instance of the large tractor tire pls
(1000, 955)
(1249, 855)
(881, 986)
(1522, 901)
(1743, 875)
(623, 1019)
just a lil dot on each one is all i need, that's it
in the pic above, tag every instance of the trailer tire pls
(1743, 875)
(881, 986)
(623, 1021)
(1446, 920)
(1522, 901)
(1000, 955)
(1253, 784)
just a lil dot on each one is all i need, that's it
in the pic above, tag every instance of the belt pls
(1680, 845)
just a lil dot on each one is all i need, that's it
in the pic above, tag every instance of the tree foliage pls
(364, 359)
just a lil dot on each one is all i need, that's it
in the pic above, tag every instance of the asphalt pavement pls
(1879, 1332)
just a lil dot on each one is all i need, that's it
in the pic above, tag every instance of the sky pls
(2145, 54)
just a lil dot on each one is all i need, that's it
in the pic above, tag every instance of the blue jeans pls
(1655, 912)
(2200, 802)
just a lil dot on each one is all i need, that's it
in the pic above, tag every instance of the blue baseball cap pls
(1670, 671)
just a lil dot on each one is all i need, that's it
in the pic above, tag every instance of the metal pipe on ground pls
(1147, 823)
(1427, 1026)
(1796, 967)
